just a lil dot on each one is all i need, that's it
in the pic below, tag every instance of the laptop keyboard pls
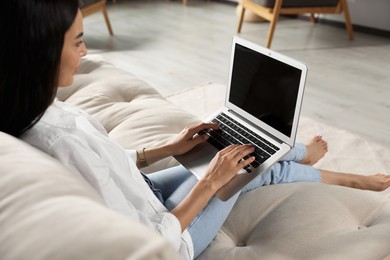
(232, 132)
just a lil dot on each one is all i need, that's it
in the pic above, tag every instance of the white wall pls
(368, 13)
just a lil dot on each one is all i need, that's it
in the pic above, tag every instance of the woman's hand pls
(223, 167)
(180, 144)
(226, 164)
(188, 138)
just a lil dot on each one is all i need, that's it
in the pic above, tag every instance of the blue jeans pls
(175, 183)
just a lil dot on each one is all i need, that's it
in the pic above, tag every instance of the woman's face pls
(72, 51)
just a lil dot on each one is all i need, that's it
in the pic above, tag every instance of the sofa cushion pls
(48, 212)
(305, 221)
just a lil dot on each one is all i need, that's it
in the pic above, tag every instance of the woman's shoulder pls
(44, 134)
(64, 126)
(60, 122)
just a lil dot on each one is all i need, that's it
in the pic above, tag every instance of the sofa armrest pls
(48, 212)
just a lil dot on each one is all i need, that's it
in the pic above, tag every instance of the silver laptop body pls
(264, 95)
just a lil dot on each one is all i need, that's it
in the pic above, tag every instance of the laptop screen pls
(266, 87)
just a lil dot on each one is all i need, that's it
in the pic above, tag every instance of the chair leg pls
(274, 20)
(241, 19)
(107, 19)
(313, 18)
(348, 23)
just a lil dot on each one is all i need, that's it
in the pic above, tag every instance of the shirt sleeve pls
(78, 156)
(99, 163)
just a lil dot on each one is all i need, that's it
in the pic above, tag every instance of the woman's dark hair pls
(32, 36)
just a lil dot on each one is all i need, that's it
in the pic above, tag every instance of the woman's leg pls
(284, 172)
(296, 154)
(308, 153)
(175, 183)
(314, 150)
(209, 221)
(288, 172)
(376, 182)
(168, 180)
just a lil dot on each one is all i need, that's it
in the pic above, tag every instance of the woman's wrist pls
(164, 151)
(148, 156)
(207, 187)
(142, 158)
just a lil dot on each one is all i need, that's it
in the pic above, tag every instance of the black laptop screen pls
(265, 88)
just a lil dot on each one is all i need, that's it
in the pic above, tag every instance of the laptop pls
(262, 106)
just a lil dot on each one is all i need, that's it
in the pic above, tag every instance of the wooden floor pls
(173, 47)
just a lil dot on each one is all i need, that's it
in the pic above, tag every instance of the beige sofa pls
(48, 213)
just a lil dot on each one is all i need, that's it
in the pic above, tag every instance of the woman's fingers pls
(187, 139)
(239, 153)
(194, 129)
(226, 164)
(228, 149)
(244, 162)
(238, 150)
(236, 154)
(243, 150)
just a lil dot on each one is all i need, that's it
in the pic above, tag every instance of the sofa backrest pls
(134, 114)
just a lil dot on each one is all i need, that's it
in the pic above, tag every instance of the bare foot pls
(376, 182)
(316, 148)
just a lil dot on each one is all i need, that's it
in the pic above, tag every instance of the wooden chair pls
(89, 7)
(270, 10)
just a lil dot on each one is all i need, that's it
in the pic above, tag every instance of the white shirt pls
(82, 144)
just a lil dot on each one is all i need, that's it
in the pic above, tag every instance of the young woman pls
(41, 48)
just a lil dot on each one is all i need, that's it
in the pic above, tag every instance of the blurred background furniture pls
(92, 6)
(270, 10)
(185, 2)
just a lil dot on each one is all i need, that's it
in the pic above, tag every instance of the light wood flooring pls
(173, 47)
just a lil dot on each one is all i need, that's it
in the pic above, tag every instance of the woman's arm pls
(221, 170)
(182, 143)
